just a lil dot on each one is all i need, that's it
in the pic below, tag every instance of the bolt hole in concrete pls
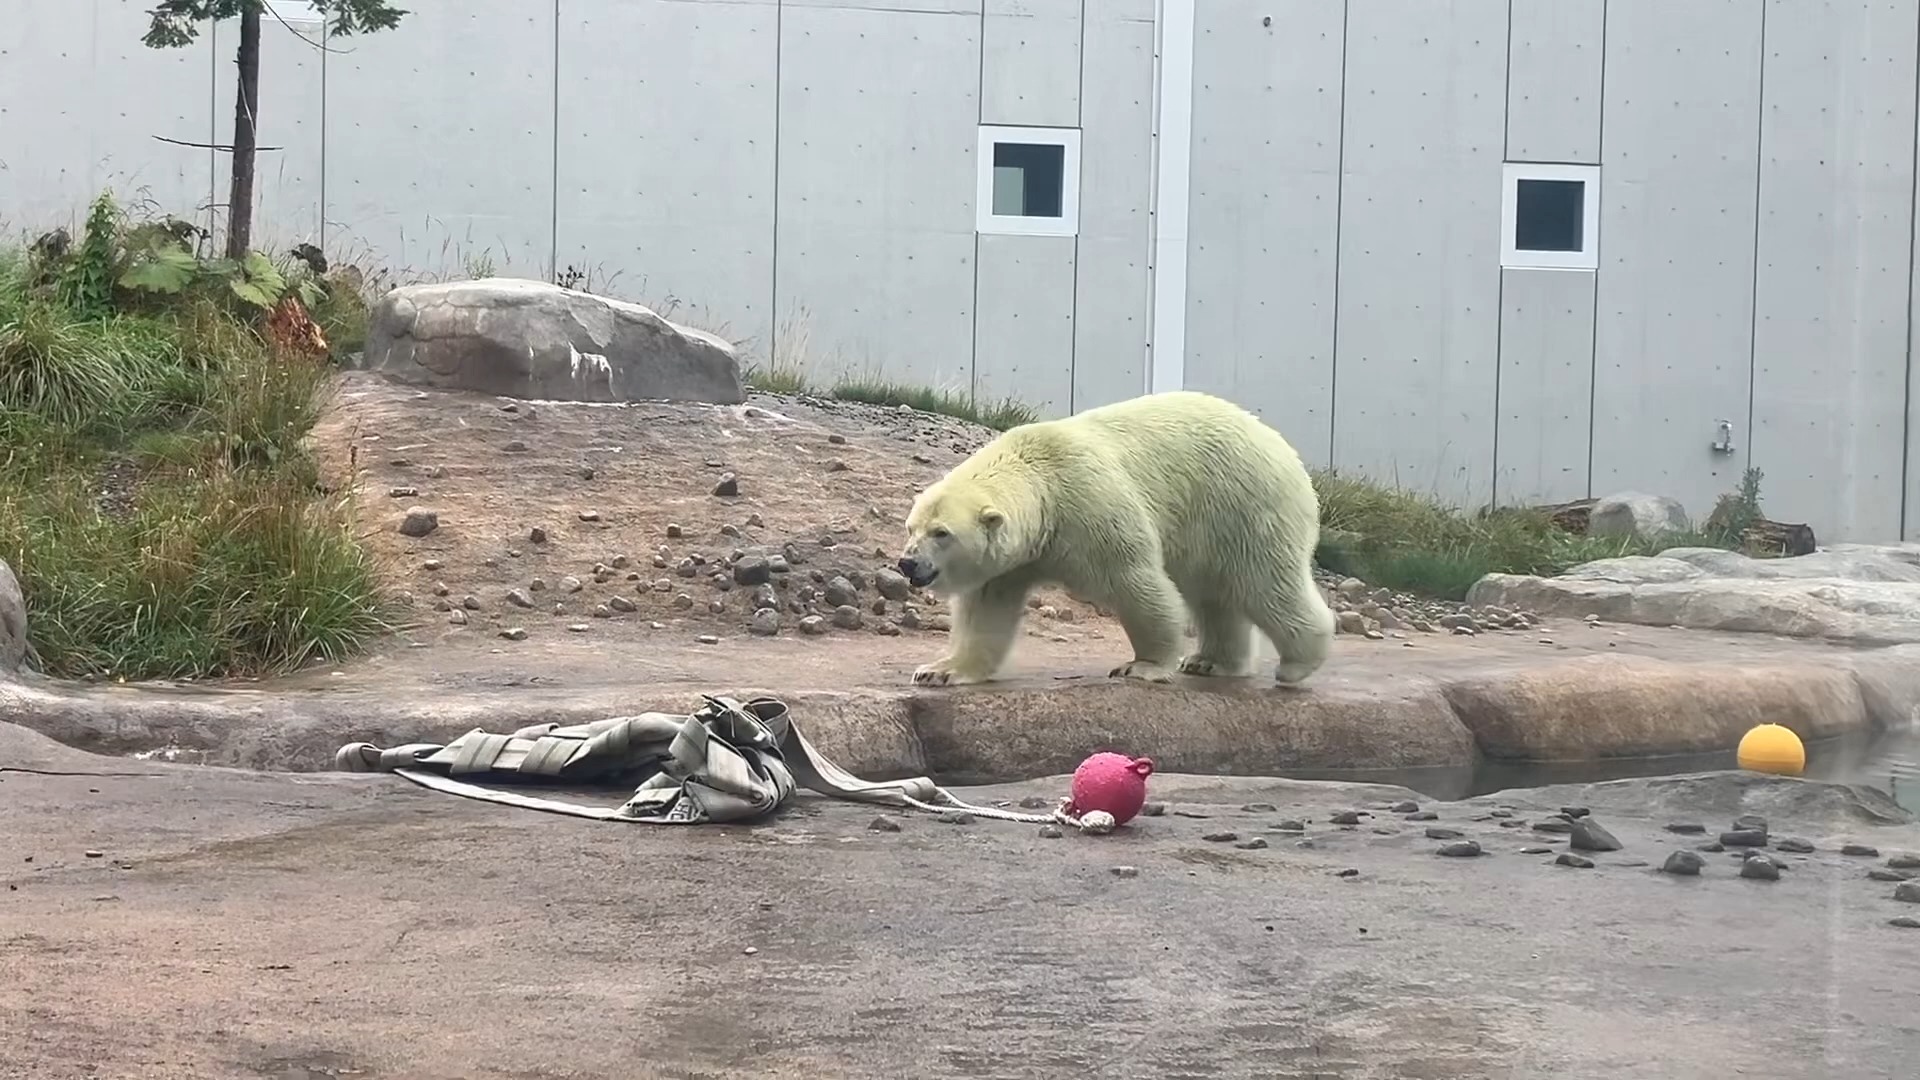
(1888, 761)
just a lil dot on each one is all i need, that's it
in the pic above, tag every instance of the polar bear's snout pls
(918, 572)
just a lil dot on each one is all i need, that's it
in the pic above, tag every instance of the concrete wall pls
(799, 174)
(1755, 253)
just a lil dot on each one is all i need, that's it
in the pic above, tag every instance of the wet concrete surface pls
(239, 924)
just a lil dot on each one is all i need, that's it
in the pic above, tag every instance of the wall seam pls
(553, 179)
(1913, 249)
(1500, 284)
(320, 231)
(1339, 219)
(979, 121)
(1080, 224)
(773, 257)
(1753, 294)
(1600, 160)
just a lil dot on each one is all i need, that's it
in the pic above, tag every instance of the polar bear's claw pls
(1144, 670)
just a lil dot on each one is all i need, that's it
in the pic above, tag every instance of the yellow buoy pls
(1770, 748)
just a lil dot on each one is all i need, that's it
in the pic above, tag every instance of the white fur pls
(1155, 508)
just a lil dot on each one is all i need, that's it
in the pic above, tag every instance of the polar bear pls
(1153, 508)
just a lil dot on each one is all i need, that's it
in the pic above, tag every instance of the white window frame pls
(1068, 223)
(1511, 256)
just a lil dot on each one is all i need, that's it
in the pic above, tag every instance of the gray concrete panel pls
(1831, 296)
(1546, 386)
(1030, 69)
(1023, 331)
(660, 201)
(440, 142)
(1553, 81)
(1116, 177)
(287, 181)
(874, 264)
(81, 101)
(1264, 227)
(1419, 282)
(1674, 333)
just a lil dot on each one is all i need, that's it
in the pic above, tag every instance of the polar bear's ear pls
(992, 518)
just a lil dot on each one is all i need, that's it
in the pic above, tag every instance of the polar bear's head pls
(955, 538)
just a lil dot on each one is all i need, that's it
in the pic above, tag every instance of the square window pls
(1029, 182)
(1550, 217)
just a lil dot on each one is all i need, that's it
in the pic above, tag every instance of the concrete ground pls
(184, 921)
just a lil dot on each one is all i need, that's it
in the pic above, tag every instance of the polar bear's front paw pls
(1144, 670)
(1203, 665)
(943, 673)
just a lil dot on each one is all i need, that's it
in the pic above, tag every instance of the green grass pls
(1409, 543)
(998, 416)
(228, 560)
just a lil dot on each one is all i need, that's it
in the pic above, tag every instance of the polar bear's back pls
(1215, 481)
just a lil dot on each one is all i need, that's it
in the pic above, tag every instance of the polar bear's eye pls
(939, 533)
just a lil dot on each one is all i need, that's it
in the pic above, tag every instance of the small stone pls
(1569, 859)
(1460, 849)
(1760, 869)
(515, 446)
(437, 472)
(1744, 838)
(1252, 844)
(1750, 821)
(1405, 808)
(1258, 808)
(619, 562)
(1553, 825)
(1575, 812)
(1907, 892)
(1501, 812)
(1861, 850)
(729, 530)
(847, 617)
(1683, 864)
(682, 602)
(892, 585)
(675, 531)
(1435, 832)
(837, 439)
(1124, 871)
(752, 570)
(1346, 817)
(956, 817)
(585, 472)
(578, 628)
(1291, 825)
(470, 602)
(728, 486)
(883, 823)
(93, 854)
(457, 617)
(813, 625)
(1221, 837)
(1350, 622)
(622, 605)
(1536, 850)
(419, 522)
(1904, 922)
(1152, 809)
(1587, 835)
(765, 622)
(1713, 847)
(708, 639)
(1424, 815)
(519, 598)
(1686, 828)
(1050, 832)
(1037, 802)
(1878, 874)
(1793, 845)
(570, 584)
(403, 493)
(840, 591)
(1349, 872)
(589, 515)
(1904, 862)
(514, 633)
(537, 535)
(430, 564)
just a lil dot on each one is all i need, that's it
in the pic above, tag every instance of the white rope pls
(1096, 822)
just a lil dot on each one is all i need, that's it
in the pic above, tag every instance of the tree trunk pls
(246, 127)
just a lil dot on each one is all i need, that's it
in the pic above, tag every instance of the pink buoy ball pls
(1111, 782)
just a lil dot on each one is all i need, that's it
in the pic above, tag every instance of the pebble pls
(1553, 825)
(589, 515)
(578, 628)
(419, 522)
(883, 823)
(1423, 815)
(537, 535)
(1683, 864)
(1878, 874)
(1862, 850)
(403, 493)
(1346, 817)
(1761, 869)
(1253, 844)
(847, 617)
(1904, 922)
(728, 486)
(1793, 845)
(570, 584)
(1575, 811)
(1435, 832)
(515, 446)
(1259, 808)
(457, 617)
(519, 598)
(1460, 849)
(1744, 838)
(956, 817)
(93, 854)
(765, 622)
(750, 951)
(514, 633)
(1570, 859)
(1536, 850)
(1405, 808)
(1050, 832)
(1035, 802)
(1220, 837)
(1750, 821)
(431, 564)
(1291, 825)
(1714, 846)
(1907, 892)
(1124, 871)
(1152, 809)
(1686, 828)
(753, 570)
(675, 531)
(1903, 862)
(622, 605)
(708, 639)
(1588, 835)
(813, 625)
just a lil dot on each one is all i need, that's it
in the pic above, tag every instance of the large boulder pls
(529, 339)
(14, 648)
(1637, 514)
(1864, 593)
